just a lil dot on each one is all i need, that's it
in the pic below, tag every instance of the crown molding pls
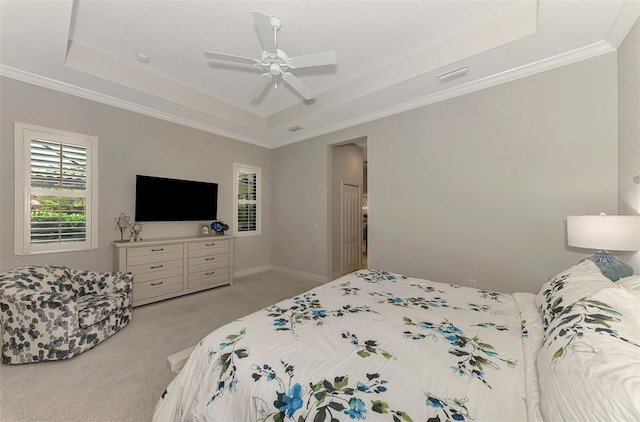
(583, 53)
(625, 20)
(44, 82)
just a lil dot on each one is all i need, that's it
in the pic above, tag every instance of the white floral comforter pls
(370, 345)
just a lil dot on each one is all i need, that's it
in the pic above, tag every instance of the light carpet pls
(122, 378)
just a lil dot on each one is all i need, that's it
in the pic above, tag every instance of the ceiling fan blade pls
(261, 85)
(316, 59)
(298, 85)
(265, 31)
(231, 58)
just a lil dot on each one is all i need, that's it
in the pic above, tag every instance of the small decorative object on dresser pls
(122, 223)
(219, 227)
(136, 228)
(204, 230)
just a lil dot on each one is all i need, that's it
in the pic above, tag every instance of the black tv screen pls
(162, 199)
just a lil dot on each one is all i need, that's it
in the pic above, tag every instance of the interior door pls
(351, 220)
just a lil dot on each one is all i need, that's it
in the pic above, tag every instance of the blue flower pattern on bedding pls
(450, 409)
(360, 370)
(421, 302)
(366, 348)
(324, 398)
(474, 355)
(375, 276)
(226, 364)
(347, 290)
(307, 309)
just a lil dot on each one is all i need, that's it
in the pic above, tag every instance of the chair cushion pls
(51, 278)
(97, 307)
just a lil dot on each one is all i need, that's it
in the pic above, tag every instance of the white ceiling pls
(389, 54)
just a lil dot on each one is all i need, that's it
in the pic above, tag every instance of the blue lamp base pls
(611, 267)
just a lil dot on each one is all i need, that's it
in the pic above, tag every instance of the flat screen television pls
(163, 199)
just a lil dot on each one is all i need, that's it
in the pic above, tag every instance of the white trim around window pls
(61, 167)
(247, 193)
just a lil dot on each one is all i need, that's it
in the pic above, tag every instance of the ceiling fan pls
(274, 61)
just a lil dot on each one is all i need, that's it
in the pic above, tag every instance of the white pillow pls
(589, 365)
(632, 282)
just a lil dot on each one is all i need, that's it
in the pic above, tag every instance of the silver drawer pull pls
(210, 244)
(157, 284)
(157, 250)
(157, 266)
(211, 273)
(210, 259)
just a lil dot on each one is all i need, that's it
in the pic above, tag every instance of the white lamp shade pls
(604, 232)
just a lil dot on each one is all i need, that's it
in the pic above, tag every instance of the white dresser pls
(166, 268)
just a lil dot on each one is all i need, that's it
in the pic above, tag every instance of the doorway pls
(348, 166)
(351, 216)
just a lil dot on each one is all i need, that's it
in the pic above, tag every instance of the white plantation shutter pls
(56, 171)
(58, 192)
(247, 191)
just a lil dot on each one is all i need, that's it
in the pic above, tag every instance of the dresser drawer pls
(153, 288)
(208, 266)
(157, 275)
(208, 244)
(220, 278)
(208, 259)
(154, 250)
(153, 259)
(216, 250)
(208, 274)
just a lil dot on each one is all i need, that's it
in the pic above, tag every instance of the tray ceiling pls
(389, 55)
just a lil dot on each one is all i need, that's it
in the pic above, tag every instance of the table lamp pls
(606, 232)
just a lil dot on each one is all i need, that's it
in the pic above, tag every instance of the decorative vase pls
(219, 227)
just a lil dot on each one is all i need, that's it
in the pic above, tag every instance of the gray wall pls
(301, 202)
(629, 126)
(129, 144)
(478, 186)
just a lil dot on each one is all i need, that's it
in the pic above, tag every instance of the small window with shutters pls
(56, 190)
(247, 191)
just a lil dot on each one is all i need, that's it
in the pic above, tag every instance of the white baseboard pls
(297, 273)
(314, 277)
(253, 270)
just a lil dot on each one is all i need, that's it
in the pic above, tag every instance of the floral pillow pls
(588, 364)
(579, 281)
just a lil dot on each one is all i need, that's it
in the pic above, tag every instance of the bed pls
(386, 347)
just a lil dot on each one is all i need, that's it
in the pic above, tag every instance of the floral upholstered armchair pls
(52, 312)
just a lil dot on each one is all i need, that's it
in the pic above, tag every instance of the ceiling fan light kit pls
(276, 62)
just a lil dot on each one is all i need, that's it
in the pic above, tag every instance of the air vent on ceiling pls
(143, 58)
(295, 128)
(454, 74)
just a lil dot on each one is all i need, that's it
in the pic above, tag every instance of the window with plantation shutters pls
(56, 175)
(247, 193)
